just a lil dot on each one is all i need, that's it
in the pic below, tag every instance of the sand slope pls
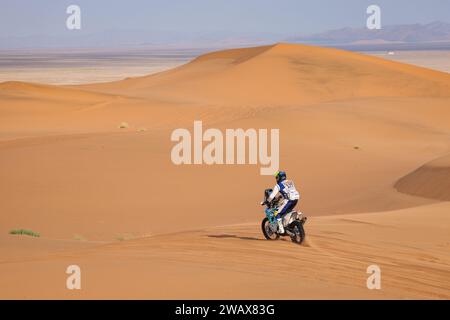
(236, 262)
(432, 180)
(351, 127)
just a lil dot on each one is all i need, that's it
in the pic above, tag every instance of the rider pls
(290, 197)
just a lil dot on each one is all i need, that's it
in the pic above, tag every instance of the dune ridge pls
(432, 180)
(17, 89)
(285, 74)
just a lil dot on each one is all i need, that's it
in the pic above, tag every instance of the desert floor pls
(366, 140)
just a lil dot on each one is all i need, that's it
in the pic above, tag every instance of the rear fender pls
(292, 216)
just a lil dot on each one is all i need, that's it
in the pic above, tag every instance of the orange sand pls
(355, 133)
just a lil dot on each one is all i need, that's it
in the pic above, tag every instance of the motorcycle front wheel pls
(267, 231)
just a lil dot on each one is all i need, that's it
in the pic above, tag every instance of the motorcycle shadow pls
(233, 236)
(226, 235)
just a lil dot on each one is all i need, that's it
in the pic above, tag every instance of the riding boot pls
(280, 226)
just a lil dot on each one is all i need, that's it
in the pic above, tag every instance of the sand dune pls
(253, 79)
(284, 74)
(17, 89)
(355, 132)
(432, 180)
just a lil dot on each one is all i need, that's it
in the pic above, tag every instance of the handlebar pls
(268, 204)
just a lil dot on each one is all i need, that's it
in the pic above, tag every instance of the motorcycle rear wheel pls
(267, 232)
(297, 228)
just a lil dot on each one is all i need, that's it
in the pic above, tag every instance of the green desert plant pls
(25, 232)
(79, 237)
(125, 236)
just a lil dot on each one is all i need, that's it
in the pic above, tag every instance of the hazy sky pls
(47, 17)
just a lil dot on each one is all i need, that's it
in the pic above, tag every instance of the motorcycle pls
(293, 222)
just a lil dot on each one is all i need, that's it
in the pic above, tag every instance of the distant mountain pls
(435, 35)
(141, 38)
(407, 34)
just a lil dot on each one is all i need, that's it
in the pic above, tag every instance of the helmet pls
(280, 176)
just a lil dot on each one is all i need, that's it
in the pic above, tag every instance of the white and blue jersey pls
(287, 190)
(290, 195)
